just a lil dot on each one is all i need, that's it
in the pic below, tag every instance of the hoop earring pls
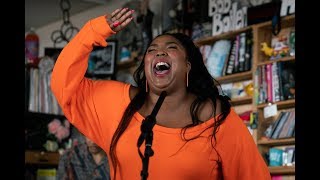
(146, 85)
(187, 78)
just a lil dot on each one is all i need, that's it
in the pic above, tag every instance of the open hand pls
(119, 18)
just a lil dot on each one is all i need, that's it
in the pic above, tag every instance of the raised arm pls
(72, 90)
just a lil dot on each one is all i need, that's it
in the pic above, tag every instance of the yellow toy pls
(266, 49)
(278, 50)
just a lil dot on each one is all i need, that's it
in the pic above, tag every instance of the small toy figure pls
(279, 50)
(266, 49)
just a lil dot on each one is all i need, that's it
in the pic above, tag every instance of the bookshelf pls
(283, 170)
(241, 103)
(41, 157)
(235, 77)
(261, 32)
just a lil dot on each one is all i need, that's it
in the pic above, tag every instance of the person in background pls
(84, 161)
(197, 133)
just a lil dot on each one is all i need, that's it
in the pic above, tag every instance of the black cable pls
(147, 136)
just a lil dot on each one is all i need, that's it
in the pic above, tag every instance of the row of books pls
(275, 82)
(282, 156)
(228, 56)
(283, 126)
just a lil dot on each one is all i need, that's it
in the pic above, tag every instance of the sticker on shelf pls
(270, 110)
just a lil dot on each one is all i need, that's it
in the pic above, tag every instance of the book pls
(217, 57)
(290, 152)
(275, 157)
(279, 69)
(248, 51)
(242, 51)
(236, 62)
(288, 79)
(269, 82)
(264, 88)
(275, 83)
(284, 117)
(288, 125)
(272, 127)
(232, 58)
(292, 125)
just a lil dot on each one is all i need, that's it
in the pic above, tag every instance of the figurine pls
(266, 49)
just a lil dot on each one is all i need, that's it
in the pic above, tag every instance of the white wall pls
(80, 19)
(77, 20)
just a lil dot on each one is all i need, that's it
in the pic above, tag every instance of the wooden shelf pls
(281, 104)
(226, 35)
(286, 21)
(282, 169)
(126, 64)
(277, 142)
(41, 157)
(291, 58)
(241, 101)
(235, 77)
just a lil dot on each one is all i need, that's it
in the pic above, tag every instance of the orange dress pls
(95, 107)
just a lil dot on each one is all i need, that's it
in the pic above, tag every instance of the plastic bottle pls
(32, 47)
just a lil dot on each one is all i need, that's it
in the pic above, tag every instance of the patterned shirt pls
(77, 163)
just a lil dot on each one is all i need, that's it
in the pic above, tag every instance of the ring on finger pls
(116, 24)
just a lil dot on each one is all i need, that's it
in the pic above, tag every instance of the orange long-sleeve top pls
(95, 107)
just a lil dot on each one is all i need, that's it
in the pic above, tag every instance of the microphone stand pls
(147, 136)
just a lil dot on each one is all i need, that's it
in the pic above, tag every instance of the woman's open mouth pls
(161, 68)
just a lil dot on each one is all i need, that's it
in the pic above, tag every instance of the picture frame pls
(52, 52)
(102, 60)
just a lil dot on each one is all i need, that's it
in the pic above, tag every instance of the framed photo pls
(102, 60)
(52, 52)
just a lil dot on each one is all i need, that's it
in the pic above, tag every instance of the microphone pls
(149, 122)
(147, 135)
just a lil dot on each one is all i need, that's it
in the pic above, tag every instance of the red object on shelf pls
(32, 48)
(245, 116)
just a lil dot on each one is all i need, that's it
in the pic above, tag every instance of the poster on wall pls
(102, 59)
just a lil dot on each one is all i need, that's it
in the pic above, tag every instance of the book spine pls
(248, 54)
(231, 59)
(236, 63)
(275, 83)
(242, 50)
(279, 127)
(269, 82)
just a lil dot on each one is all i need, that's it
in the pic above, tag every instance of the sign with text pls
(226, 16)
(287, 7)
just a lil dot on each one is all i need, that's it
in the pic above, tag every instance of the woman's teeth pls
(161, 66)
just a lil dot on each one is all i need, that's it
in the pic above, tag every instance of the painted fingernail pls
(115, 24)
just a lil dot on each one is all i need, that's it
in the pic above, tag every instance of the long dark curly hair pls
(200, 83)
